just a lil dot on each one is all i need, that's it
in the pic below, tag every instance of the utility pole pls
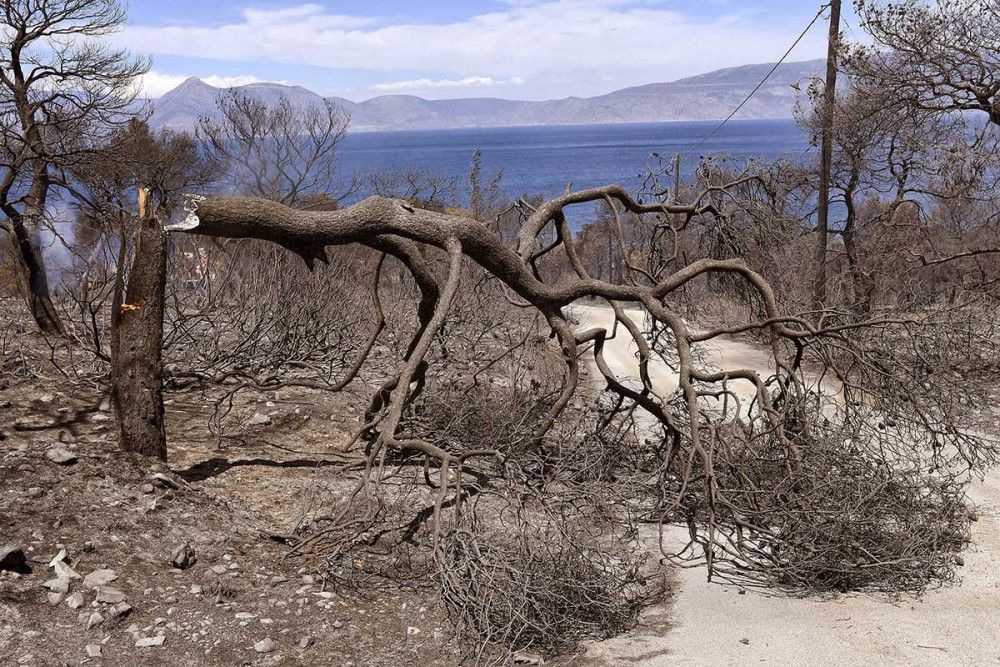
(826, 156)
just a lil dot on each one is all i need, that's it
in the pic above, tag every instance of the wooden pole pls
(826, 156)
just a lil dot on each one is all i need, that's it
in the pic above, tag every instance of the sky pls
(515, 49)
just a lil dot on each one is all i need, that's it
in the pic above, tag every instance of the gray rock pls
(74, 600)
(94, 620)
(35, 492)
(58, 585)
(61, 456)
(55, 598)
(109, 595)
(305, 642)
(183, 556)
(147, 488)
(121, 610)
(147, 642)
(264, 645)
(62, 570)
(260, 419)
(13, 559)
(93, 650)
(99, 578)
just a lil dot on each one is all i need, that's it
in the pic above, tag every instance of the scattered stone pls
(93, 650)
(94, 620)
(260, 419)
(105, 405)
(183, 557)
(338, 624)
(13, 559)
(109, 595)
(219, 569)
(74, 600)
(196, 589)
(264, 646)
(412, 630)
(58, 585)
(63, 571)
(244, 616)
(99, 578)
(525, 658)
(66, 438)
(745, 641)
(99, 417)
(959, 561)
(35, 492)
(121, 610)
(147, 642)
(305, 642)
(55, 598)
(60, 456)
(29, 424)
(147, 488)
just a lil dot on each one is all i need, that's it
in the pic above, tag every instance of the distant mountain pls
(704, 97)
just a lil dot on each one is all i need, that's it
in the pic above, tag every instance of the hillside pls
(703, 97)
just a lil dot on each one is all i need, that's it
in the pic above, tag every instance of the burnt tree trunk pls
(137, 339)
(29, 268)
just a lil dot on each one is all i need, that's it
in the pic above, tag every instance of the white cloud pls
(432, 84)
(560, 47)
(155, 84)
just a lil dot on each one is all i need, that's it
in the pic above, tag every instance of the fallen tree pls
(744, 478)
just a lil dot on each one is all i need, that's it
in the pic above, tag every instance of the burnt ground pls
(243, 602)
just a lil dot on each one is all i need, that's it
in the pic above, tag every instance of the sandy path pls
(959, 625)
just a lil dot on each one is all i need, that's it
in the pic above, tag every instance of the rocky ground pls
(105, 559)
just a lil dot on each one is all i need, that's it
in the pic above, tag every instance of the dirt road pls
(712, 624)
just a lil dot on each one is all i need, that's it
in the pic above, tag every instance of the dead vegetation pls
(475, 443)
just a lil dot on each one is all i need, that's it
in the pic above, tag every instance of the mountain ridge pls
(708, 96)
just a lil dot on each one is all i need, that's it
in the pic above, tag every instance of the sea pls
(546, 159)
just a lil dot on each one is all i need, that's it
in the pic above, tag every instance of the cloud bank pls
(559, 47)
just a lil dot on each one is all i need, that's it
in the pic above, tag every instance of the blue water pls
(545, 159)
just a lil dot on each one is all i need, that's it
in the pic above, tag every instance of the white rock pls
(75, 600)
(109, 595)
(61, 456)
(57, 585)
(264, 646)
(260, 419)
(94, 620)
(99, 578)
(146, 642)
(62, 570)
(93, 650)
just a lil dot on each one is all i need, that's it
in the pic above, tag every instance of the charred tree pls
(137, 339)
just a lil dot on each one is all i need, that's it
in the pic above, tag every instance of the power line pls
(759, 85)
